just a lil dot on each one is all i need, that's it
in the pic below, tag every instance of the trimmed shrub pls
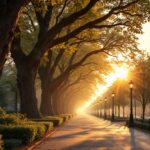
(57, 121)
(65, 117)
(12, 119)
(1, 143)
(48, 125)
(2, 111)
(12, 143)
(40, 131)
(142, 125)
(69, 115)
(25, 133)
(143, 121)
(8, 119)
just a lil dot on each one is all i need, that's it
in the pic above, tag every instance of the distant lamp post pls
(105, 114)
(131, 104)
(100, 107)
(97, 109)
(113, 97)
(135, 107)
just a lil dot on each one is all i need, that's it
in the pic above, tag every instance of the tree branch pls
(61, 12)
(57, 60)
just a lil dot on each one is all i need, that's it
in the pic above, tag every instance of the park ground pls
(90, 133)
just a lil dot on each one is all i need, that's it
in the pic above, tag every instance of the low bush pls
(57, 121)
(12, 119)
(1, 143)
(48, 125)
(142, 125)
(64, 116)
(144, 121)
(41, 130)
(12, 143)
(25, 133)
(2, 111)
(70, 115)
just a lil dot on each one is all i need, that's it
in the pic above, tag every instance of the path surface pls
(90, 133)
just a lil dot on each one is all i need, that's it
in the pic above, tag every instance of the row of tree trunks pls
(52, 98)
(46, 102)
(27, 69)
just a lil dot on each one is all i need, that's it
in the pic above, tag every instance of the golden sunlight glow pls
(118, 72)
(121, 72)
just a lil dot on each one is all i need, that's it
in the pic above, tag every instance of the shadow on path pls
(90, 133)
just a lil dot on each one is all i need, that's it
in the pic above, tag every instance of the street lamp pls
(97, 109)
(113, 97)
(131, 104)
(105, 115)
(100, 106)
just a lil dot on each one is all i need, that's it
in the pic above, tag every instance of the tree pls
(109, 44)
(141, 80)
(9, 15)
(48, 36)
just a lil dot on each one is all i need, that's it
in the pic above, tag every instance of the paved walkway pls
(90, 133)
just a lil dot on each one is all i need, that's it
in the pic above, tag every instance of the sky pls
(144, 39)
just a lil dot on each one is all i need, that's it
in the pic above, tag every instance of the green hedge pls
(142, 125)
(70, 115)
(65, 117)
(48, 125)
(12, 143)
(1, 143)
(16, 129)
(12, 119)
(25, 133)
(57, 121)
(2, 111)
(41, 130)
(143, 121)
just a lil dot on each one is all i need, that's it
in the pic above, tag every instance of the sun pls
(121, 72)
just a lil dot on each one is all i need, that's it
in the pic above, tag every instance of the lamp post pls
(113, 97)
(105, 115)
(135, 107)
(131, 104)
(98, 109)
(100, 106)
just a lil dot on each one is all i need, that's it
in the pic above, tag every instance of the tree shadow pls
(87, 130)
(132, 139)
(106, 142)
(135, 145)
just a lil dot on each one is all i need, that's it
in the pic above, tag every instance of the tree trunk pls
(26, 83)
(56, 97)
(9, 14)
(46, 107)
(118, 110)
(49, 86)
(123, 110)
(143, 112)
(16, 101)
